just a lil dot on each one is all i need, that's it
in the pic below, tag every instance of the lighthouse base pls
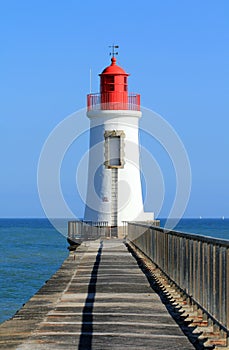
(79, 231)
(122, 231)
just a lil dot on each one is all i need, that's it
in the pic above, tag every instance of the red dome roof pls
(113, 69)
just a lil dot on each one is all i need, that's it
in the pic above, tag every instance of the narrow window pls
(114, 149)
(114, 155)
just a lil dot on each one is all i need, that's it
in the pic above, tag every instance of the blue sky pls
(177, 53)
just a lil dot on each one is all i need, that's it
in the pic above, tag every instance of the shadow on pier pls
(85, 341)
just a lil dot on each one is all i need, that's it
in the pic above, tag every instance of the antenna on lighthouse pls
(90, 80)
(113, 53)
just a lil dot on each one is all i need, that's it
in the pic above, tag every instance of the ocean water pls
(31, 251)
(216, 228)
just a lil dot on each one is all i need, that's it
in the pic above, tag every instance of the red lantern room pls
(114, 87)
(113, 91)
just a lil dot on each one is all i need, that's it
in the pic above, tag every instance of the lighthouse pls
(114, 192)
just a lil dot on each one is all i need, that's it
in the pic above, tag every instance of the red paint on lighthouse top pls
(113, 69)
(113, 91)
(113, 87)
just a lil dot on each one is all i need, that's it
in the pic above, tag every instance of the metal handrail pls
(84, 230)
(209, 239)
(198, 265)
(94, 102)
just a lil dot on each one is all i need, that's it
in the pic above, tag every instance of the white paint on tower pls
(114, 192)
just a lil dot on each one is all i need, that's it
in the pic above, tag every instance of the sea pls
(31, 251)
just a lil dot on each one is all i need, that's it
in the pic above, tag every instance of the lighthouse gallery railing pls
(198, 265)
(94, 103)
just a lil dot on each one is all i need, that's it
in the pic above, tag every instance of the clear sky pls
(177, 53)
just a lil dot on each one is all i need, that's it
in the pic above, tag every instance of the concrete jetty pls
(99, 299)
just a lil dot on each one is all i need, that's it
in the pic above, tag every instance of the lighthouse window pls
(125, 83)
(110, 80)
(110, 83)
(114, 149)
(110, 87)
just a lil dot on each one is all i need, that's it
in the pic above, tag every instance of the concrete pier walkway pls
(98, 299)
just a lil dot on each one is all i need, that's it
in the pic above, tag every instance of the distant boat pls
(222, 217)
(200, 217)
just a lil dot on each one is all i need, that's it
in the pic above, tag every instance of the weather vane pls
(113, 53)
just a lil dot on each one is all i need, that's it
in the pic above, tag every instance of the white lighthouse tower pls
(114, 192)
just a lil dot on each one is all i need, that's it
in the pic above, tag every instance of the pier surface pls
(98, 299)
